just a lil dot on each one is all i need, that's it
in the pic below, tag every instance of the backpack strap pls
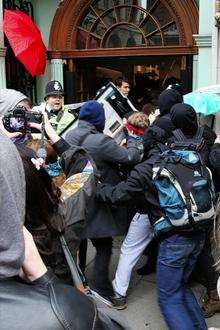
(189, 209)
(178, 134)
(199, 133)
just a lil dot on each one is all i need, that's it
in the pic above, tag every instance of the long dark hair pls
(41, 198)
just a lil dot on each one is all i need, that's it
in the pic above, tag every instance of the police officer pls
(59, 115)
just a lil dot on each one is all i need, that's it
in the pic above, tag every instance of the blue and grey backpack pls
(184, 185)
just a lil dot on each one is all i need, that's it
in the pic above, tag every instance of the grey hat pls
(54, 87)
(9, 98)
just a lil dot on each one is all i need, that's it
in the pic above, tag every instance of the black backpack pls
(184, 184)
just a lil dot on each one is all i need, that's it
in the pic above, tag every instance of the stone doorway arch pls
(75, 17)
(84, 31)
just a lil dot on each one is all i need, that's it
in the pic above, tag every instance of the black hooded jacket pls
(184, 117)
(139, 187)
(140, 183)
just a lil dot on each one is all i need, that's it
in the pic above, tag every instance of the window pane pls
(149, 26)
(155, 40)
(171, 36)
(161, 14)
(99, 29)
(81, 39)
(102, 5)
(125, 36)
(146, 4)
(124, 14)
(156, 24)
(94, 43)
(123, 2)
(109, 18)
(89, 20)
(137, 16)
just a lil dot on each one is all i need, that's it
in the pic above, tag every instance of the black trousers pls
(204, 270)
(100, 274)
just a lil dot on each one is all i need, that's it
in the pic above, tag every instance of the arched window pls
(127, 23)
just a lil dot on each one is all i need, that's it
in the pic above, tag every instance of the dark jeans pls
(100, 276)
(176, 259)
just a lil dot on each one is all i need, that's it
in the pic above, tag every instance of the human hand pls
(51, 133)
(33, 266)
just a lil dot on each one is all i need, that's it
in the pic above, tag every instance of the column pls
(195, 72)
(216, 54)
(204, 43)
(2, 51)
(57, 70)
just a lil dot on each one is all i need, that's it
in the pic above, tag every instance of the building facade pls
(150, 41)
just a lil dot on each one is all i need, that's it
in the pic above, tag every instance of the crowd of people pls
(133, 194)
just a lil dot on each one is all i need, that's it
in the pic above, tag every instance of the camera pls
(17, 120)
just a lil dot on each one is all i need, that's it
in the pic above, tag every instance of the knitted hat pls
(94, 113)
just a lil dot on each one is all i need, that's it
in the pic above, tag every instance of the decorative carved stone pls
(69, 15)
(217, 19)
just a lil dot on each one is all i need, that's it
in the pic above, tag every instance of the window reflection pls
(128, 23)
(162, 15)
(124, 14)
(89, 20)
(149, 26)
(102, 5)
(81, 40)
(146, 4)
(109, 19)
(137, 16)
(124, 2)
(171, 36)
(99, 29)
(94, 43)
(155, 40)
(125, 36)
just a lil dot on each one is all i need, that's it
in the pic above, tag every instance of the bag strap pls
(178, 134)
(199, 133)
(77, 276)
(87, 154)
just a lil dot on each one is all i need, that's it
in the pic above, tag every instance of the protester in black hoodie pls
(184, 117)
(167, 99)
(178, 251)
